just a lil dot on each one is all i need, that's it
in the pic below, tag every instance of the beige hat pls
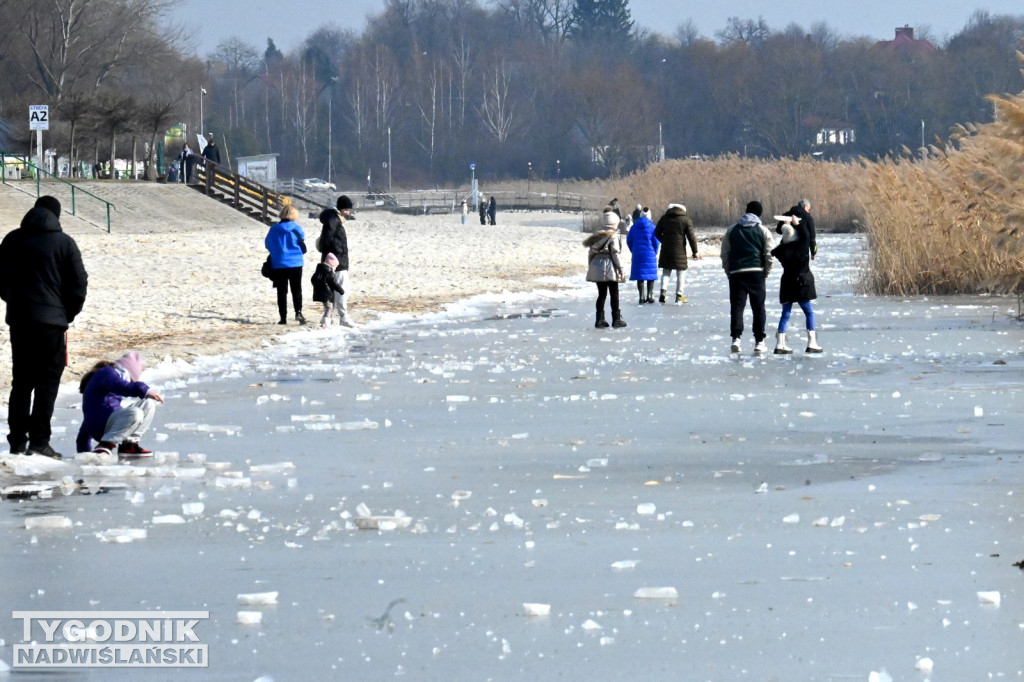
(611, 219)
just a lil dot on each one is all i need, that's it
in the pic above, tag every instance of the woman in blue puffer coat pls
(643, 246)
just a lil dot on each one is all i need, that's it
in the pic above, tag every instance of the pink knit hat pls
(331, 260)
(132, 363)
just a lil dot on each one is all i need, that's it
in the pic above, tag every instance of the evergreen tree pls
(601, 19)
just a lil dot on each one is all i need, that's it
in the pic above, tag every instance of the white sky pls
(288, 23)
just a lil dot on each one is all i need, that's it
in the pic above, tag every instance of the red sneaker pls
(103, 448)
(127, 449)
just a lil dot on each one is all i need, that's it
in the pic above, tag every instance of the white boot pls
(735, 348)
(760, 348)
(812, 342)
(780, 344)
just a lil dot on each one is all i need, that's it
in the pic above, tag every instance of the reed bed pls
(952, 223)
(715, 191)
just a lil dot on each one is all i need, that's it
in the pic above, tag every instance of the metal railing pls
(19, 165)
(245, 195)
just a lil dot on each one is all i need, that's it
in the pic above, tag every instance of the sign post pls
(39, 120)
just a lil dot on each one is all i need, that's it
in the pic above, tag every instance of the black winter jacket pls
(333, 238)
(42, 277)
(674, 231)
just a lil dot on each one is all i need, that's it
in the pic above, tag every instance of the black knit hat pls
(49, 203)
(755, 208)
(344, 202)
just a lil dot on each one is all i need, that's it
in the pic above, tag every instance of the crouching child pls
(117, 408)
(325, 285)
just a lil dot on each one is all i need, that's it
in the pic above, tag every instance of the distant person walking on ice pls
(43, 282)
(117, 408)
(746, 258)
(798, 248)
(604, 268)
(643, 246)
(482, 209)
(675, 232)
(492, 211)
(334, 239)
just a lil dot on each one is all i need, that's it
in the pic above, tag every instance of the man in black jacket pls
(211, 151)
(43, 282)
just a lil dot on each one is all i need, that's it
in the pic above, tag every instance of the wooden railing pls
(245, 195)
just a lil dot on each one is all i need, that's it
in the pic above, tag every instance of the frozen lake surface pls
(408, 489)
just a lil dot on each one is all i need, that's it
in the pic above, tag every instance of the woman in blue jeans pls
(286, 243)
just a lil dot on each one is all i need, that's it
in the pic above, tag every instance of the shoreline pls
(198, 292)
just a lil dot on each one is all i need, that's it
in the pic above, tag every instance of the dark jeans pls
(283, 279)
(741, 286)
(603, 290)
(38, 355)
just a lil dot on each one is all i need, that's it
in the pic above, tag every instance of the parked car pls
(316, 184)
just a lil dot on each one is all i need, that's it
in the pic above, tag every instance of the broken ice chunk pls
(656, 593)
(536, 610)
(514, 520)
(646, 508)
(591, 625)
(924, 664)
(791, 518)
(192, 508)
(165, 519)
(47, 522)
(989, 597)
(122, 535)
(249, 617)
(257, 598)
(979, 411)
(625, 564)
(276, 468)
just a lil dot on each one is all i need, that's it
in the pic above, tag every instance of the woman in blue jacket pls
(643, 245)
(286, 243)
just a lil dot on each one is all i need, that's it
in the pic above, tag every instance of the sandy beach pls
(184, 289)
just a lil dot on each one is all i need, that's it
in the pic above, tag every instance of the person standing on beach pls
(465, 211)
(333, 239)
(675, 232)
(482, 208)
(746, 259)
(43, 282)
(492, 211)
(643, 246)
(286, 243)
(797, 250)
(604, 268)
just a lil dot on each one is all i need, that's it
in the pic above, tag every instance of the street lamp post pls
(558, 182)
(202, 126)
(529, 178)
(472, 187)
(330, 120)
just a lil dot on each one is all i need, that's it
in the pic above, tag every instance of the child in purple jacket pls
(117, 408)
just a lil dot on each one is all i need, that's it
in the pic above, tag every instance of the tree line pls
(519, 87)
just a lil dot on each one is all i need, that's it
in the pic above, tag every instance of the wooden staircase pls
(257, 201)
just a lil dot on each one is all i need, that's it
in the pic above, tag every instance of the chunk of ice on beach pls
(646, 508)
(167, 519)
(791, 518)
(656, 593)
(879, 676)
(232, 483)
(275, 468)
(514, 520)
(536, 610)
(47, 522)
(192, 508)
(992, 597)
(625, 564)
(121, 535)
(249, 617)
(257, 598)
(924, 664)
(979, 411)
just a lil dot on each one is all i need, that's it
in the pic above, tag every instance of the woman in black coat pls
(797, 284)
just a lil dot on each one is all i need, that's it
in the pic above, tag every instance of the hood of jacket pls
(328, 213)
(675, 211)
(749, 220)
(598, 236)
(643, 223)
(41, 219)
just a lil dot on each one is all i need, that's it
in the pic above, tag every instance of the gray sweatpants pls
(131, 421)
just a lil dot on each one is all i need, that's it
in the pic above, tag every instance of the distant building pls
(906, 44)
(261, 168)
(829, 132)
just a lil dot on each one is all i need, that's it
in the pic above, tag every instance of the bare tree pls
(157, 113)
(497, 109)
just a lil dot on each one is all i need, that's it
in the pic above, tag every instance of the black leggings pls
(603, 289)
(283, 279)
